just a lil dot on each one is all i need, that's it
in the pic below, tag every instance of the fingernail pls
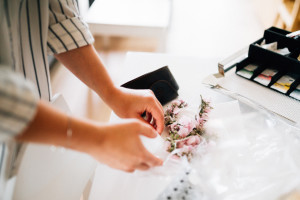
(156, 134)
(161, 163)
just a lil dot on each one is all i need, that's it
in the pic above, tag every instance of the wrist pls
(113, 97)
(85, 136)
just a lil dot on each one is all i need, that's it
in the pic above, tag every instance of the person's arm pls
(27, 119)
(85, 63)
(70, 40)
(117, 145)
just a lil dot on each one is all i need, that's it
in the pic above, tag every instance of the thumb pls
(148, 131)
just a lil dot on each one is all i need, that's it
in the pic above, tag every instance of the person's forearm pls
(85, 63)
(117, 145)
(50, 126)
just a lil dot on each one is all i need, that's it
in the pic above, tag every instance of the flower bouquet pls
(185, 132)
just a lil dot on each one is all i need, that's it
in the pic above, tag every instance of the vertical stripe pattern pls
(34, 28)
(31, 48)
(31, 29)
(67, 30)
(42, 48)
(20, 38)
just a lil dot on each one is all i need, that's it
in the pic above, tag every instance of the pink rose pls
(184, 120)
(176, 110)
(183, 132)
(200, 121)
(205, 117)
(174, 127)
(193, 140)
(169, 111)
(190, 141)
(192, 125)
(177, 102)
(186, 149)
(207, 110)
(180, 144)
(187, 123)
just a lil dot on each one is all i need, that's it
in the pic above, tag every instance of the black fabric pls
(160, 81)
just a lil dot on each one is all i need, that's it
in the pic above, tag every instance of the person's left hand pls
(129, 103)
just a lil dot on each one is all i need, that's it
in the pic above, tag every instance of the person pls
(29, 30)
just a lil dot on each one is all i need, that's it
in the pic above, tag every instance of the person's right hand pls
(119, 146)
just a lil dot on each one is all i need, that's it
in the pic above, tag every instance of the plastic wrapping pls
(247, 156)
(171, 166)
(255, 157)
(244, 157)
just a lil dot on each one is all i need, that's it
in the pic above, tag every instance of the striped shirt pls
(31, 29)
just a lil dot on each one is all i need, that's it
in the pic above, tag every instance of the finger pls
(143, 119)
(122, 167)
(129, 170)
(157, 102)
(154, 124)
(146, 117)
(159, 121)
(147, 130)
(158, 115)
(152, 160)
(143, 167)
(160, 106)
(156, 110)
